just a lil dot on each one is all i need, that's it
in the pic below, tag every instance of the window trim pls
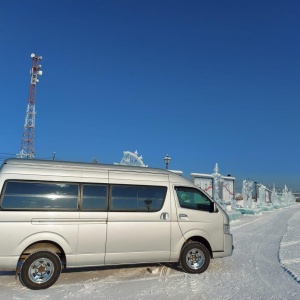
(80, 186)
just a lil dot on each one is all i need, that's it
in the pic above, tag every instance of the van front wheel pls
(194, 258)
(40, 270)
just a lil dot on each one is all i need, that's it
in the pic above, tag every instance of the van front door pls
(138, 228)
(196, 216)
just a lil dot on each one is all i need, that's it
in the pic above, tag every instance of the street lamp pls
(167, 161)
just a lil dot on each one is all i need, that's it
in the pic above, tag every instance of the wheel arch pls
(45, 245)
(201, 236)
(201, 240)
(43, 241)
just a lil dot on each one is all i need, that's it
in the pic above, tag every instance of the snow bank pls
(289, 251)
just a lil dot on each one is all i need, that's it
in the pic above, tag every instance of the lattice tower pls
(27, 146)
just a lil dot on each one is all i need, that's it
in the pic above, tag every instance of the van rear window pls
(40, 195)
(137, 198)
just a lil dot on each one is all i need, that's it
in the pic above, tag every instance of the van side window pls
(39, 195)
(193, 199)
(94, 196)
(137, 198)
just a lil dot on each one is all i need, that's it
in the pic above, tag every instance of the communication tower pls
(27, 147)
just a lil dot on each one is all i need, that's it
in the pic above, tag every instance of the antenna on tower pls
(27, 146)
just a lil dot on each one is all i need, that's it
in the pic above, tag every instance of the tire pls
(194, 258)
(40, 270)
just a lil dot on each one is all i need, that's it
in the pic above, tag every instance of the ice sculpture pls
(261, 200)
(217, 180)
(275, 199)
(132, 159)
(247, 193)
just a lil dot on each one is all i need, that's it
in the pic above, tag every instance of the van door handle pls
(183, 217)
(164, 216)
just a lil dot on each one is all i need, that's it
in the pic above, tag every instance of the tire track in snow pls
(285, 244)
(164, 273)
(291, 261)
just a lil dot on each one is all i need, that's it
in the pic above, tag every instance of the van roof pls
(80, 165)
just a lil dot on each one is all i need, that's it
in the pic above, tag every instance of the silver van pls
(56, 215)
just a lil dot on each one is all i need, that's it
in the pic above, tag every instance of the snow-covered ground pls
(265, 265)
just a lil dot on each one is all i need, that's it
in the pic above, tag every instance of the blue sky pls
(203, 81)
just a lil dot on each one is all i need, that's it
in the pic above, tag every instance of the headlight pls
(226, 228)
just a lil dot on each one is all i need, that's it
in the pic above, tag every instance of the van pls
(56, 215)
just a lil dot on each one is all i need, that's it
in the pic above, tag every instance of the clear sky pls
(203, 81)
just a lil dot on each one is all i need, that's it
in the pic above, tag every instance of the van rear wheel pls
(40, 270)
(194, 258)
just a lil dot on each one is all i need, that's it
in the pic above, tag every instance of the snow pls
(265, 265)
(289, 251)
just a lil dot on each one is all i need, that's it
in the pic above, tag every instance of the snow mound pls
(289, 251)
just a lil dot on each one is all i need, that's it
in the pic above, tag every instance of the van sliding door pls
(93, 225)
(138, 223)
